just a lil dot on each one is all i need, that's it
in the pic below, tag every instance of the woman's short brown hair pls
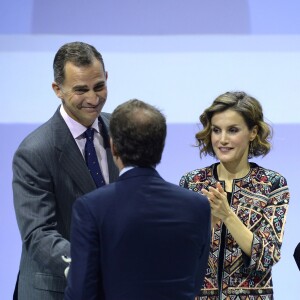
(251, 111)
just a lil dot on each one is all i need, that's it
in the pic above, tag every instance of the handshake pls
(68, 261)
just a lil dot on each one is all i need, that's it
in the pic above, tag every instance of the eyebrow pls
(99, 83)
(77, 87)
(231, 125)
(102, 82)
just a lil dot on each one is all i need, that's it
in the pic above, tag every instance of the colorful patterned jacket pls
(260, 199)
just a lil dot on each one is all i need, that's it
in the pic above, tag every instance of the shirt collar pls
(125, 169)
(75, 127)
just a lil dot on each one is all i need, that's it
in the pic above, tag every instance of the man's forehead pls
(84, 75)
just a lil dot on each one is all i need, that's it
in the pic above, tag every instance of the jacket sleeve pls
(268, 235)
(84, 278)
(35, 208)
(183, 181)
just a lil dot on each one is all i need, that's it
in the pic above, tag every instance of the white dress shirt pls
(78, 130)
(125, 169)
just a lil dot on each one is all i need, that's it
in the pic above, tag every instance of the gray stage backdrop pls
(176, 54)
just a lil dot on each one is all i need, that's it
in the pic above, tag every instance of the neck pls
(118, 162)
(230, 172)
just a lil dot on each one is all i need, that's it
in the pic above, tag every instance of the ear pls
(57, 90)
(253, 133)
(112, 147)
(106, 75)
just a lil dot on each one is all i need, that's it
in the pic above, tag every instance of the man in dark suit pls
(50, 171)
(297, 255)
(140, 238)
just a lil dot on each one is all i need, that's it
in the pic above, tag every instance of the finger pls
(221, 189)
(204, 191)
(215, 192)
(66, 272)
(207, 194)
(66, 259)
(221, 194)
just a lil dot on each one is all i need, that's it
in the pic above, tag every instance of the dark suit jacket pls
(297, 255)
(140, 238)
(49, 173)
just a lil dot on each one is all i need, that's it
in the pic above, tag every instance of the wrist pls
(227, 218)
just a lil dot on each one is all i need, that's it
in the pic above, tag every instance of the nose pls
(92, 97)
(223, 138)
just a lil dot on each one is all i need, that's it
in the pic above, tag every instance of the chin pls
(93, 115)
(225, 159)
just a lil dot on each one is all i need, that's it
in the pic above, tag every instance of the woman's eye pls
(233, 130)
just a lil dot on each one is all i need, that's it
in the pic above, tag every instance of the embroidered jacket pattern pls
(260, 200)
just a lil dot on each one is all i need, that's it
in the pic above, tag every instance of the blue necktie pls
(91, 158)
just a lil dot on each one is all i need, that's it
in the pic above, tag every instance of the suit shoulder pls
(105, 116)
(101, 195)
(188, 194)
(37, 137)
(40, 139)
(195, 203)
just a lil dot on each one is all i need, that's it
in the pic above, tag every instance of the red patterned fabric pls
(261, 200)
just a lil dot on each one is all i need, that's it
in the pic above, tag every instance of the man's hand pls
(68, 261)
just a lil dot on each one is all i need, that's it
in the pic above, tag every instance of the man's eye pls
(99, 88)
(80, 92)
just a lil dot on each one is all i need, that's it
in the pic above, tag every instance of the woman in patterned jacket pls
(248, 202)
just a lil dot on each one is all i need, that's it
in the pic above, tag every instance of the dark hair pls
(78, 53)
(138, 131)
(251, 111)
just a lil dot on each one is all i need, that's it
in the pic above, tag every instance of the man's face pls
(83, 92)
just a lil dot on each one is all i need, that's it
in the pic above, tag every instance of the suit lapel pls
(112, 169)
(69, 155)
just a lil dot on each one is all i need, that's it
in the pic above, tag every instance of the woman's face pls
(230, 137)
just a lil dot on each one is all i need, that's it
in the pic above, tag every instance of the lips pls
(225, 149)
(90, 107)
